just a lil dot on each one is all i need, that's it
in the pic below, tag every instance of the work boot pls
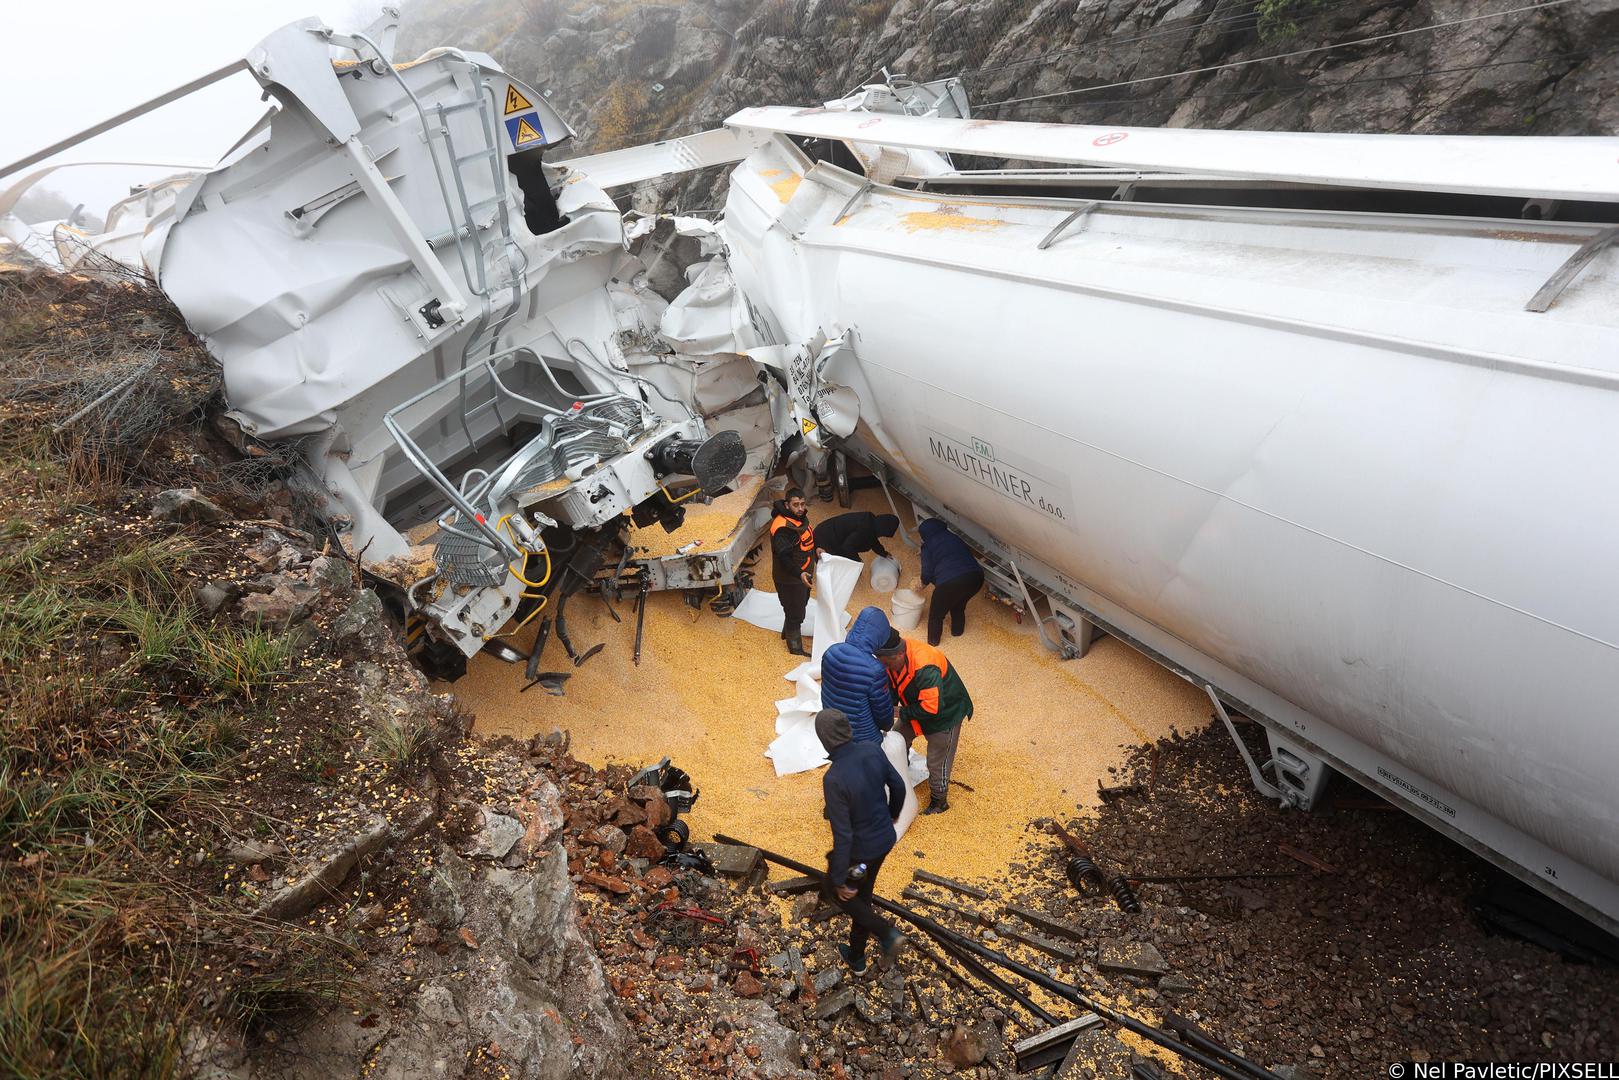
(893, 941)
(937, 806)
(795, 645)
(848, 958)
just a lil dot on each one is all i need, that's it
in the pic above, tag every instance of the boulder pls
(279, 608)
(967, 1046)
(497, 836)
(186, 505)
(363, 629)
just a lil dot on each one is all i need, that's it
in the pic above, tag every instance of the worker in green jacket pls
(930, 701)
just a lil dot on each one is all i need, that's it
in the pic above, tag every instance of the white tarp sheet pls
(796, 747)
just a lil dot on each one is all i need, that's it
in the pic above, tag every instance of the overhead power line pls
(1544, 4)
(1303, 88)
(1168, 28)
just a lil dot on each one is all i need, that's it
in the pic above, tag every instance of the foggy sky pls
(71, 65)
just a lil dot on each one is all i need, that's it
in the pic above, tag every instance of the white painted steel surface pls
(1326, 458)
(1568, 167)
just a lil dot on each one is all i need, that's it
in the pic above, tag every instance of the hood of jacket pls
(870, 629)
(832, 728)
(887, 525)
(779, 509)
(932, 528)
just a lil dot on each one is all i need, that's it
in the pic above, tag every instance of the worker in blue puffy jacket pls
(950, 566)
(855, 682)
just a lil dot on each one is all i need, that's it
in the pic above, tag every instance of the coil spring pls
(1123, 895)
(1084, 875)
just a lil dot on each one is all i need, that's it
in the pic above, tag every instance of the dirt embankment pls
(239, 836)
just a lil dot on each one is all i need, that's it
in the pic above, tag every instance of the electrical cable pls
(1584, 54)
(1163, 29)
(1211, 68)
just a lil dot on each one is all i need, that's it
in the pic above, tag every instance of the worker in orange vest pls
(793, 554)
(930, 701)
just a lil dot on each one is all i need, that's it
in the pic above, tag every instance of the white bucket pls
(884, 574)
(906, 607)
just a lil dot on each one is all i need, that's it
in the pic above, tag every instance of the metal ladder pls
(466, 556)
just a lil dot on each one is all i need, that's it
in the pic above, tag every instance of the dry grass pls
(120, 706)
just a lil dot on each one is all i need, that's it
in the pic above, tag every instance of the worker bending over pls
(792, 549)
(950, 566)
(932, 702)
(851, 535)
(854, 681)
(864, 796)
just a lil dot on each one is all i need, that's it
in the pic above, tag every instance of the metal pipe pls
(1063, 990)
(972, 964)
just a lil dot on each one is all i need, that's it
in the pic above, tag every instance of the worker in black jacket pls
(792, 549)
(864, 796)
(856, 532)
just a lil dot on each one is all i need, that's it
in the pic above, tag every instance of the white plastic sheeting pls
(796, 747)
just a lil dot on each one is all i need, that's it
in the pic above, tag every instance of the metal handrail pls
(464, 502)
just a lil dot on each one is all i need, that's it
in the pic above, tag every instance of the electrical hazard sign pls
(515, 101)
(807, 425)
(525, 130)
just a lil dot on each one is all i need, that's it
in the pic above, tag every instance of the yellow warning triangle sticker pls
(515, 101)
(526, 133)
(807, 425)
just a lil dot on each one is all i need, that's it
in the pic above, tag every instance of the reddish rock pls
(643, 843)
(628, 814)
(604, 882)
(669, 964)
(605, 836)
(658, 877)
(967, 1047)
(749, 987)
(658, 811)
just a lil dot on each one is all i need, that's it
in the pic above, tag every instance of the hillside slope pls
(627, 71)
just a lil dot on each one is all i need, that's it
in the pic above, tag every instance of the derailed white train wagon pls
(1349, 471)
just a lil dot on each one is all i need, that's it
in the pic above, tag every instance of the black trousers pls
(794, 596)
(864, 922)
(950, 597)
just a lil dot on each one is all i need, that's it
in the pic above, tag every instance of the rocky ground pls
(1328, 973)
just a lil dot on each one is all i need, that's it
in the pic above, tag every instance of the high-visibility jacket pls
(930, 693)
(792, 544)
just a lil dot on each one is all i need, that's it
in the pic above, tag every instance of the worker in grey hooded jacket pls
(855, 682)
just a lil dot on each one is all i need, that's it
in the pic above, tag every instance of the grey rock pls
(1175, 985)
(497, 836)
(213, 595)
(436, 1005)
(331, 575)
(1132, 958)
(827, 978)
(789, 963)
(279, 608)
(872, 1012)
(834, 1003)
(363, 628)
(320, 879)
(255, 851)
(187, 505)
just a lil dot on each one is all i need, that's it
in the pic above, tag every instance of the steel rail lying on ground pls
(1239, 1068)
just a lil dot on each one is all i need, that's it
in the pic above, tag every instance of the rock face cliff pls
(625, 71)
